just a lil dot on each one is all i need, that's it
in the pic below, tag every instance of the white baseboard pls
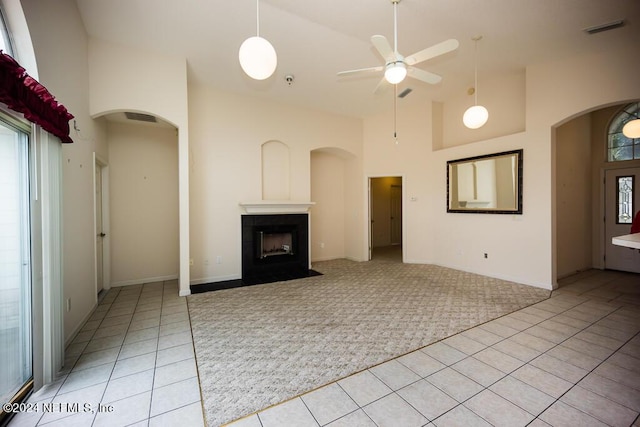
(145, 280)
(78, 328)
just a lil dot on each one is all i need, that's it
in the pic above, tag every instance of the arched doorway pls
(581, 166)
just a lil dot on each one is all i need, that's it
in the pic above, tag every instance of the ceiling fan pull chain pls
(395, 113)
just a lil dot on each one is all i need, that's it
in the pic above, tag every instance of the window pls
(5, 42)
(625, 199)
(619, 147)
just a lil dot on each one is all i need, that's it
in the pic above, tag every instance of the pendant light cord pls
(258, 18)
(475, 72)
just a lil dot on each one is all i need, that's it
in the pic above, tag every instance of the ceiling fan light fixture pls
(258, 58)
(475, 117)
(632, 129)
(395, 72)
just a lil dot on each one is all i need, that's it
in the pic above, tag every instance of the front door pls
(622, 201)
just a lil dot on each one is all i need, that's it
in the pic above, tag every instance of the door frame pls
(369, 225)
(98, 161)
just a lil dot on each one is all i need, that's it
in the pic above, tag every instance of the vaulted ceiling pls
(315, 39)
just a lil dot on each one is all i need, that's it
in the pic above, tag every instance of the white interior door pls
(100, 235)
(396, 214)
(622, 201)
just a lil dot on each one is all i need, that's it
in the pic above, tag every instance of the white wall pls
(574, 210)
(411, 158)
(519, 247)
(60, 45)
(143, 165)
(504, 96)
(227, 132)
(328, 214)
(125, 79)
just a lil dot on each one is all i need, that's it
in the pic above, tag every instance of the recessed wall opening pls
(385, 218)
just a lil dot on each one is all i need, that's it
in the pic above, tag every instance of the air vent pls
(140, 117)
(604, 27)
(405, 92)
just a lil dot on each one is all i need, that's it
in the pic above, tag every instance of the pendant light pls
(257, 56)
(475, 117)
(632, 129)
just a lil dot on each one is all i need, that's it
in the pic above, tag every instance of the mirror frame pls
(517, 209)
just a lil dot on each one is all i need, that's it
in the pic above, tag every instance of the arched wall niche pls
(276, 171)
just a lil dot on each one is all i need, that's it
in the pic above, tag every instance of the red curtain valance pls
(24, 94)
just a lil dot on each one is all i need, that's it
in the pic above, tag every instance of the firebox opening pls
(275, 244)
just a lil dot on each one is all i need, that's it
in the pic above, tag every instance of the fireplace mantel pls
(270, 207)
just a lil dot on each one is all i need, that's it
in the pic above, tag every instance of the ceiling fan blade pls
(433, 51)
(382, 87)
(383, 47)
(361, 71)
(424, 76)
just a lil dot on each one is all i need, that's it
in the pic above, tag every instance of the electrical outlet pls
(322, 245)
(219, 259)
(206, 262)
(191, 261)
(486, 255)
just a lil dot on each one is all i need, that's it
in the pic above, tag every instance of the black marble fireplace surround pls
(292, 263)
(264, 269)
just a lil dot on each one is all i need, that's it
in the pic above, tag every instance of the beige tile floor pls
(135, 357)
(571, 360)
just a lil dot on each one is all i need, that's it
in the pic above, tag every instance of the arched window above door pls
(619, 147)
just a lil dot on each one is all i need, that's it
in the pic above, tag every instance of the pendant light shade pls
(632, 129)
(257, 56)
(395, 72)
(475, 117)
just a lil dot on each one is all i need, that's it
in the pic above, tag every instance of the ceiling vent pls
(141, 117)
(604, 27)
(405, 92)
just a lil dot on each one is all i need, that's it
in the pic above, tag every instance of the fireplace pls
(274, 247)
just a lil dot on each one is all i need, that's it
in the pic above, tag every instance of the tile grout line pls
(121, 346)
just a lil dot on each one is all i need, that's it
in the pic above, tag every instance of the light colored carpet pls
(260, 345)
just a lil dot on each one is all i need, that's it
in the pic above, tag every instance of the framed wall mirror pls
(486, 184)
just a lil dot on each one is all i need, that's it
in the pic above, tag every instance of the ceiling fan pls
(396, 66)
